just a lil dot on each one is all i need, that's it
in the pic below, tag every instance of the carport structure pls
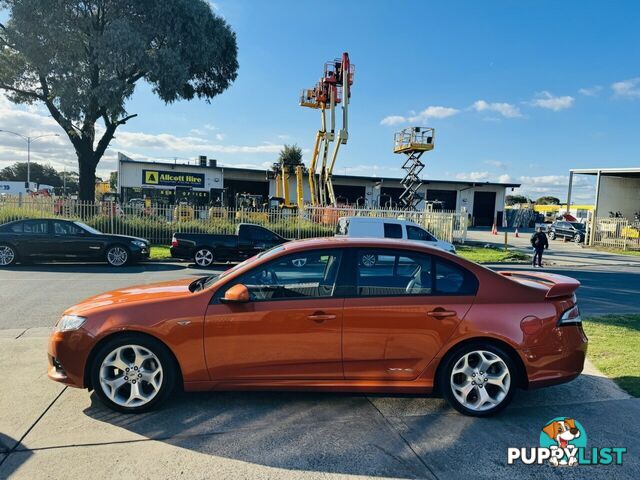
(617, 193)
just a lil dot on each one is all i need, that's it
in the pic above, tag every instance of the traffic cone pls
(517, 236)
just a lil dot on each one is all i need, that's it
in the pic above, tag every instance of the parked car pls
(205, 248)
(419, 318)
(370, 227)
(53, 239)
(575, 231)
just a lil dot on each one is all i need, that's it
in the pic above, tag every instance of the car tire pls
(577, 239)
(203, 257)
(154, 373)
(552, 235)
(368, 260)
(117, 255)
(8, 255)
(474, 393)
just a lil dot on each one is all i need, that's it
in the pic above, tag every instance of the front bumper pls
(560, 360)
(67, 355)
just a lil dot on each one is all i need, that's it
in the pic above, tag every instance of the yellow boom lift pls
(333, 88)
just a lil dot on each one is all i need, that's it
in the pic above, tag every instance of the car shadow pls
(377, 435)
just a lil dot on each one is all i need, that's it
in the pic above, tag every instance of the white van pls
(369, 227)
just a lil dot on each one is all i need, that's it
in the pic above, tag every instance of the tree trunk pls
(87, 185)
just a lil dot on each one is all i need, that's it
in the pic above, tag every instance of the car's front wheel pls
(117, 256)
(8, 255)
(552, 235)
(133, 374)
(478, 380)
(577, 239)
(203, 257)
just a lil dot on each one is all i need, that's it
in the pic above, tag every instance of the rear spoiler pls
(559, 285)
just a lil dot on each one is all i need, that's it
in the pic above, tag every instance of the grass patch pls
(159, 252)
(619, 251)
(614, 347)
(490, 255)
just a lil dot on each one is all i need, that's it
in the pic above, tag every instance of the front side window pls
(389, 273)
(35, 226)
(296, 276)
(66, 228)
(417, 233)
(392, 230)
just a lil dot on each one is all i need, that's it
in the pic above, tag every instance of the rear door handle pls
(441, 313)
(320, 317)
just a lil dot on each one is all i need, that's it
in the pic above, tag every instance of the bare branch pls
(28, 93)
(124, 120)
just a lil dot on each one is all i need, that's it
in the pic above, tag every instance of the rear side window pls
(417, 233)
(35, 226)
(392, 230)
(452, 279)
(260, 234)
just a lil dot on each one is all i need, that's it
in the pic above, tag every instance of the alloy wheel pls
(131, 376)
(368, 260)
(117, 256)
(7, 255)
(480, 380)
(203, 257)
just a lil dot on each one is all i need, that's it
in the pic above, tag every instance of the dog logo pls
(563, 436)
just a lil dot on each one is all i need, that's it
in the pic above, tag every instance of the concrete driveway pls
(49, 431)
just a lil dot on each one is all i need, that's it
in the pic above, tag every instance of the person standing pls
(539, 242)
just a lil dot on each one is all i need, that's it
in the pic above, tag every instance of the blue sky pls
(518, 91)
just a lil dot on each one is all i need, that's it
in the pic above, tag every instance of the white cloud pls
(505, 179)
(473, 176)
(507, 110)
(556, 185)
(627, 88)
(547, 100)
(433, 111)
(220, 136)
(591, 91)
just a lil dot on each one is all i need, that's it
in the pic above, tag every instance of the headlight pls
(70, 322)
(139, 243)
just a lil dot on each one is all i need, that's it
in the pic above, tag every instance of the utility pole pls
(29, 139)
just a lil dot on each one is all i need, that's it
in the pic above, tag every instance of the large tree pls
(548, 200)
(83, 59)
(44, 174)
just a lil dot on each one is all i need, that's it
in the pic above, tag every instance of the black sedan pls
(575, 231)
(45, 239)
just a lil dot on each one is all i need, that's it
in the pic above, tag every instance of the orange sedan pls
(328, 314)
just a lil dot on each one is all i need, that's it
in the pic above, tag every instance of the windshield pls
(206, 282)
(89, 229)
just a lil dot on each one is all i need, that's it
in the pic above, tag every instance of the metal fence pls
(616, 233)
(157, 223)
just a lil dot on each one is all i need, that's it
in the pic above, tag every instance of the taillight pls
(570, 317)
(174, 242)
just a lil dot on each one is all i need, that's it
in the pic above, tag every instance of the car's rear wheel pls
(8, 255)
(552, 235)
(203, 257)
(478, 380)
(117, 256)
(133, 374)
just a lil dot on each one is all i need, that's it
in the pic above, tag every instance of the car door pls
(71, 241)
(289, 330)
(35, 241)
(402, 309)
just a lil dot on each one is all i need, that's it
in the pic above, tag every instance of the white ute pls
(369, 227)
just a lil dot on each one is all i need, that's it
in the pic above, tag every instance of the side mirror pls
(237, 294)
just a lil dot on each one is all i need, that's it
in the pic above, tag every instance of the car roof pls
(341, 242)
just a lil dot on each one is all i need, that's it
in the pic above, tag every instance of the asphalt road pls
(36, 295)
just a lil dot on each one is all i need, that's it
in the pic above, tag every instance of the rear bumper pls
(560, 361)
(182, 253)
(140, 254)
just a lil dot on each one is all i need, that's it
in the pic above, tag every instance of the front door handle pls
(320, 317)
(441, 313)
